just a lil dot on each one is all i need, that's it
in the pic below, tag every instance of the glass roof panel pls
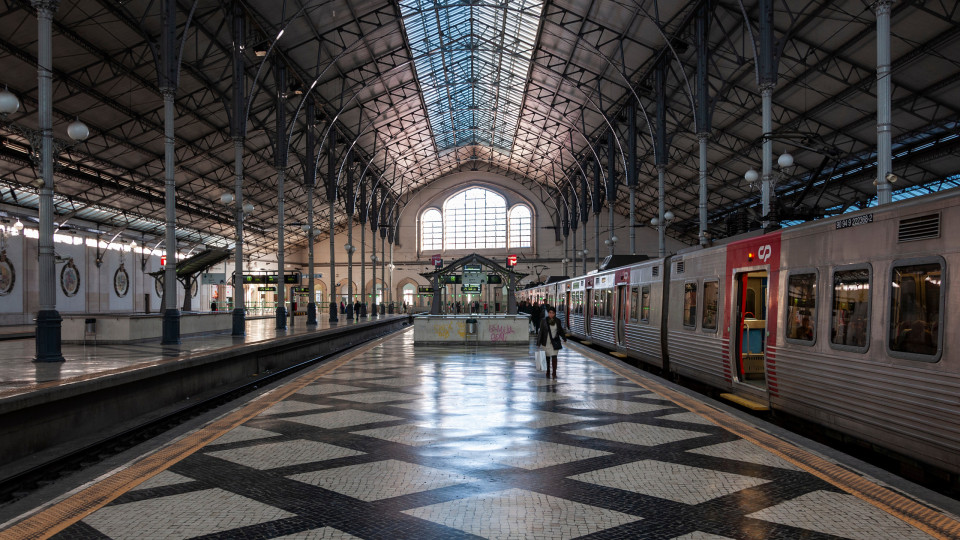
(472, 59)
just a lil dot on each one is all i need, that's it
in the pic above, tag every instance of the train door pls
(566, 308)
(621, 313)
(588, 306)
(751, 310)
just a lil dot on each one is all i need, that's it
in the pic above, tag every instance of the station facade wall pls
(410, 260)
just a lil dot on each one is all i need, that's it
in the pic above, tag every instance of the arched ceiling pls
(525, 89)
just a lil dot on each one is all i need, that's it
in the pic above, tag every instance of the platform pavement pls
(20, 374)
(468, 442)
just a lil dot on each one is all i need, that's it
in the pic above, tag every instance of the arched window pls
(520, 221)
(475, 219)
(431, 229)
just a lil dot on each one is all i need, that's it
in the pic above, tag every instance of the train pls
(842, 322)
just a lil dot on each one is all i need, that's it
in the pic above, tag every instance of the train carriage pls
(862, 348)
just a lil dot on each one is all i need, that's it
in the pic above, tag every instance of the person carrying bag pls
(549, 337)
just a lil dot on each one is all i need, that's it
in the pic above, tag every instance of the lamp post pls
(391, 267)
(43, 149)
(661, 227)
(373, 300)
(349, 248)
(784, 162)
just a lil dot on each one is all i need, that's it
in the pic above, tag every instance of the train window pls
(634, 303)
(802, 308)
(645, 303)
(915, 300)
(690, 304)
(608, 303)
(598, 303)
(851, 309)
(711, 300)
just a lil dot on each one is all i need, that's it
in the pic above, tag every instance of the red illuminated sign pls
(511, 260)
(163, 260)
(437, 260)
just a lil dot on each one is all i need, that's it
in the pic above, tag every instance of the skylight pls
(472, 59)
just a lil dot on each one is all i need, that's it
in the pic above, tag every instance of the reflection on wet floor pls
(460, 442)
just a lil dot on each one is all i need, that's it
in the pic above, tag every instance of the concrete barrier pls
(453, 329)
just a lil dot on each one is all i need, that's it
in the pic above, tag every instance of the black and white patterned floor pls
(455, 442)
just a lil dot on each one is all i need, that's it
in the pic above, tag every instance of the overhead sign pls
(470, 288)
(452, 278)
(494, 279)
(267, 289)
(472, 278)
(291, 278)
(163, 260)
(300, 290)
(511, 260)
(213, 278)
(437, 260)
(424, 289)
(472, 267)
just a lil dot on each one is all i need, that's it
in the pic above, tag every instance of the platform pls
(20, 374)
(48, 408)
(393, 441)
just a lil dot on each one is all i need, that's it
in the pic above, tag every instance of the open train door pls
(622, 278)
(753, 266)
(588, 304)
(750, 342)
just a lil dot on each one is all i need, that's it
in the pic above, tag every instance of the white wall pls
(11, 304)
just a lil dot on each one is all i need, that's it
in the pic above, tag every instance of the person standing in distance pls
(549, 336)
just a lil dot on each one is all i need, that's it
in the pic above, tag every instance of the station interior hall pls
(479, 269)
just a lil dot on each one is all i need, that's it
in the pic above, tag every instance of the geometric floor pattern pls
(468, 442)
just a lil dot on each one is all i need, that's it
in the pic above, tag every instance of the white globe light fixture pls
(248, 208)
(614, 239)
(78, 131)
(226, 197)
(18, 226)
(785, 160)
(751, 176)
(654, 222)
(606, 242)
(668, 215)
(9, 103)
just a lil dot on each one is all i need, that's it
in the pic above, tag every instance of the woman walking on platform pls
(549, 336)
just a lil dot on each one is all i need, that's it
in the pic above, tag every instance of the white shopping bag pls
(541, 360)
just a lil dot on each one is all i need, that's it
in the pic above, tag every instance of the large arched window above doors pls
(520, 226)
(431, 230)
(475, 219)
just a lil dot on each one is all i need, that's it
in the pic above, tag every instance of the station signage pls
(470, 288)
(472, 267)
(451, 279)
(494, 279)
(266, 289)
(291, 278)
(437, 260)
(300, 290)
(511, 260)
(423, 289)
(163, 260)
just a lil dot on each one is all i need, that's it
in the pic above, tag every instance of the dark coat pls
(544, 333)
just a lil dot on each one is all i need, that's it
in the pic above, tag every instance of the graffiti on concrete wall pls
(499, 332)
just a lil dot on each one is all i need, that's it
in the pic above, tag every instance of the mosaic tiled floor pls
(448, 442)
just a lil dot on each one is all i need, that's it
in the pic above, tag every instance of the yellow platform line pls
(928, 520)
(744, 402)
(618, 354)
(57, 517)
